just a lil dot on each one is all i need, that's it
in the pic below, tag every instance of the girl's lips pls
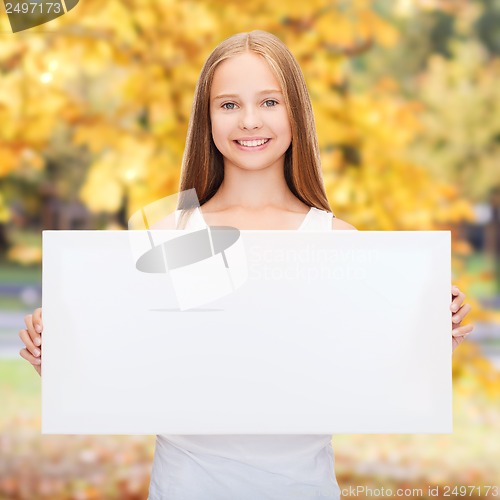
(252, 148)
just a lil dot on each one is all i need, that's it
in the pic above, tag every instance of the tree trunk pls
(4, 243)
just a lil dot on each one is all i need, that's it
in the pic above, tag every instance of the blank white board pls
(324, 333)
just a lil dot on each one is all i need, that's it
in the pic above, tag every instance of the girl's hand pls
(32, 338)
(459, 312)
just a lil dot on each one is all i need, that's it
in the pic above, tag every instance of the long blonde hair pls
(202, 163)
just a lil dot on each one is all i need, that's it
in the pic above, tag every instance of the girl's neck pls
(254, 190)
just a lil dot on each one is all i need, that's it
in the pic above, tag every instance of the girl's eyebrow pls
(269, 91)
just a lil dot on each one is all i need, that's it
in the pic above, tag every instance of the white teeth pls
(253, 143)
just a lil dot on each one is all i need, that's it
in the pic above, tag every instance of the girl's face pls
(250, 124)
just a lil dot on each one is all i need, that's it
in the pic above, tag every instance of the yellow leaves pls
(32, 159)
(448, 191)
(135, 86)
(4, 210)
(462, 247)
(340, 191)
(377, 27)
(387, 193)
(339, 29)
(97, 135)
(11, 102)
(145, 17)
(321, 72)
(387, 84)
(462, 210)
(150, 87)
(374, 130)
(133, 155)
(129, 98)
(333, 130)
(115, 16)
(37, 129)
(297, 9)
(197, 19)
(103, 191)
(163, 170)
(306, 47)
(115, 173)
(458, 139)
(352, 30)
(162, 117)
(473, 373)
(96, 56)
(332, 162)
(8, 160)
(25, 254)
(386, 120)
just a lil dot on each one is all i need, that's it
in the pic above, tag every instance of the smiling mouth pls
(253, 144)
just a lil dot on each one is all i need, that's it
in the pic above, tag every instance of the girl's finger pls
(24, 336)
(35, 338)
(462, 331)
(457, 318)
(457, 301)
(37, 320)
(29, 357)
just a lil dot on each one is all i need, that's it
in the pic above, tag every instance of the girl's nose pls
(250, 119)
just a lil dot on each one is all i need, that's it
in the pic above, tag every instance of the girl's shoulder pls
(340, 224)
(318, 218)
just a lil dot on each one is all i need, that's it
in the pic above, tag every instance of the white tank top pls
(246, 467)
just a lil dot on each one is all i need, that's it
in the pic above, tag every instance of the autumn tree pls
(117, 79)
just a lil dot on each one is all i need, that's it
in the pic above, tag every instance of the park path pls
(12, 321)
(10, 324)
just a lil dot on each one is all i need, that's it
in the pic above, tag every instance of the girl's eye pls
(232, 104)
(273, 101)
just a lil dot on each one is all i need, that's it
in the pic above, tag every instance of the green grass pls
(20, 389)
(475, 264)
(18, 375)
(494, 342)
(16, 273)
(478, 262)
(9, 303)
(26, 236)
(482, 290)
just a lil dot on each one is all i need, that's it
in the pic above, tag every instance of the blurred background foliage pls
(94, 108)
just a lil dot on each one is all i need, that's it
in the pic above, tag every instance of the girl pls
(252, 155)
